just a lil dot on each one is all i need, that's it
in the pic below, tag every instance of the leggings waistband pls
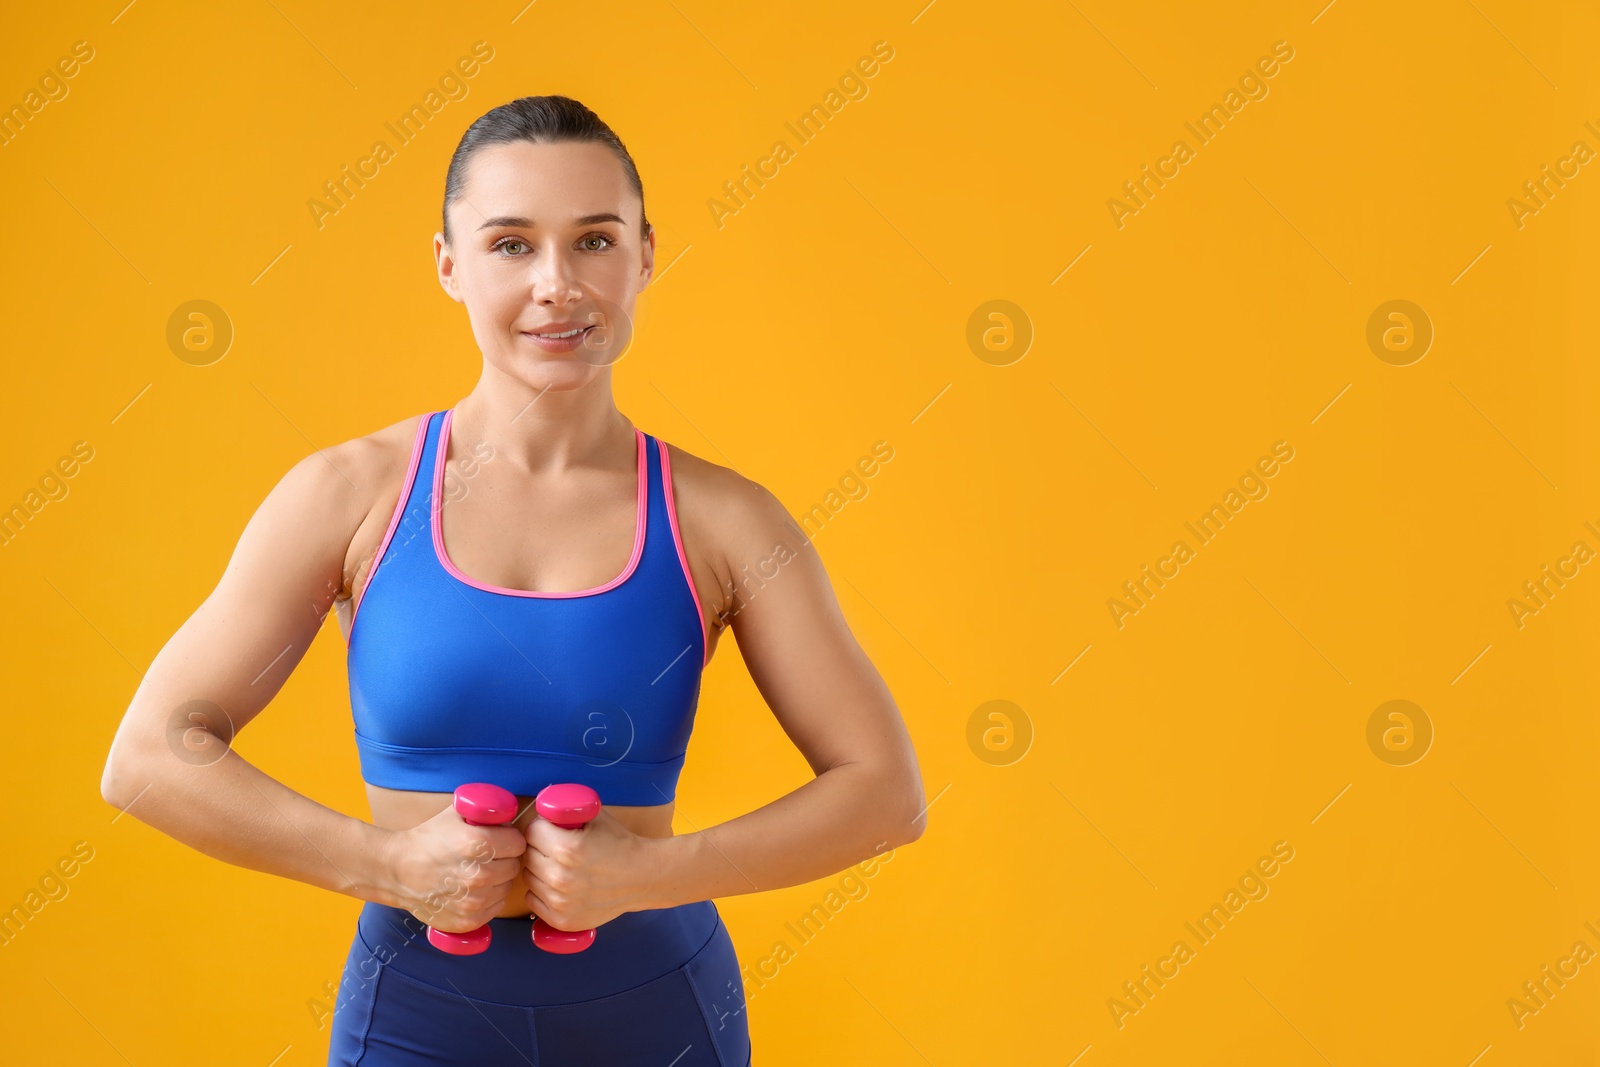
(634, 948)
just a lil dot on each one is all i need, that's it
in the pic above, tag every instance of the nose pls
(554, 279)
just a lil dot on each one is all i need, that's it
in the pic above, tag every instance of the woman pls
(550, 625)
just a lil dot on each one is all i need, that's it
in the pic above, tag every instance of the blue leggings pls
(658, 988)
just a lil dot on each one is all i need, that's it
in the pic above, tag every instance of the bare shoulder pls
(372, 468)
(365, 466)
(737, 522)
(385, 450)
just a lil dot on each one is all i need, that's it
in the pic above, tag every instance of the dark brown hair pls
(537, 120)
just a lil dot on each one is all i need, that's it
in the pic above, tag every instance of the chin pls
(549, 372)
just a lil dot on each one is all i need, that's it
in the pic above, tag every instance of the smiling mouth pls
(559, 336)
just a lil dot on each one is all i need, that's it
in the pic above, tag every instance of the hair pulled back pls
(537, 120)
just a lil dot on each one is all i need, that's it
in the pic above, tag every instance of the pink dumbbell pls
(479, 804)
(569, 806)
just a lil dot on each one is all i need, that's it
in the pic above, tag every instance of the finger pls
(532, 880)
(463, 920)
(500, 872)
(506, 841)
(545, 832)
(537, 905)
(545, 870)
(552, 842)
(551, 897)
(480, 873)
(538, 837)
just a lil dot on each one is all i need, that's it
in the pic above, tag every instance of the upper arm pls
(808, 666)
(235, 652)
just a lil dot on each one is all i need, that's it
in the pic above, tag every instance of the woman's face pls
(546, 239)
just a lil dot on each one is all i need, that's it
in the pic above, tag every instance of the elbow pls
(113, 785)
(919, 824)
(893, 794)
(900, 832)
(916, 803)
(915, 826)
(911, 823)
(122, 781)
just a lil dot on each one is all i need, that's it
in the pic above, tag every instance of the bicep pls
(801, 654)
(228, 659)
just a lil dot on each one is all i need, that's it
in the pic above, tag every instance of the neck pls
(544, 430)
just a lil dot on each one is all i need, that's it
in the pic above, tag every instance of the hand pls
(450, 874)
(580, 879)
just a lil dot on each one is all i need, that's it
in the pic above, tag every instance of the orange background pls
(831, 311)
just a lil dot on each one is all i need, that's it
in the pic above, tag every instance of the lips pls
(556, 329)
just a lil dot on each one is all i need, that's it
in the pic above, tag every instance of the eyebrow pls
(528, 224)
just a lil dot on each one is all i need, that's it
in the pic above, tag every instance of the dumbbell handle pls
(478, 804)
(569, 806)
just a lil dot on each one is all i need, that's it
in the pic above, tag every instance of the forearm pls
(234, 812)
(840, 817)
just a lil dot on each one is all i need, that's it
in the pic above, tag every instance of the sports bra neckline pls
(450, 683)
(436, 522)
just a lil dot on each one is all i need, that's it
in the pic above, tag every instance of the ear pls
(647, 268)
(445, 263)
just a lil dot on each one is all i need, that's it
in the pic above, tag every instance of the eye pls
(505, 242)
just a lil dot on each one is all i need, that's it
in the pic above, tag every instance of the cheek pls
(506, 295)
(613, 277)
(497, 305)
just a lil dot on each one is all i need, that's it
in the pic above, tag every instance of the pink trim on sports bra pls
(394, 521)
(677, 539)
(641, 518)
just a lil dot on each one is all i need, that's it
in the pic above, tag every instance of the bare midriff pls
(400, 809)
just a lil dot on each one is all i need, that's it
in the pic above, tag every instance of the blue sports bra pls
(453, 680)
